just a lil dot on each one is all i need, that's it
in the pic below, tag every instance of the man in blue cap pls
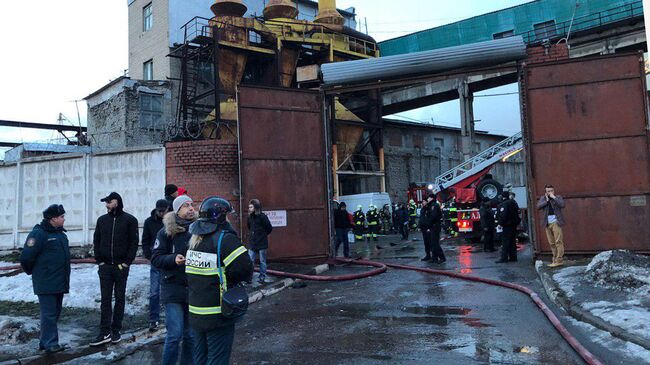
(46, 257)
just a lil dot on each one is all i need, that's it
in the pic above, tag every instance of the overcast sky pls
(56, 52)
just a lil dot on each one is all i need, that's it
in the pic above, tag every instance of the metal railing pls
(586, 22)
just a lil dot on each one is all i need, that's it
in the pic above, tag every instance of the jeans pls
(112, 278)
(178, 329)
(154, 295)
(262, 255)
(213, 347)
(342, 237)
(50, 306)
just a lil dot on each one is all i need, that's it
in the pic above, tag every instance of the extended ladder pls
(478, 163)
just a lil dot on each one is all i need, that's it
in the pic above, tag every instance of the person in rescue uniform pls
(46, 257)
(385, 216)
(213, 333)
(413, 215)
(359, 223)
(453, 218)
(508, 219)
(487, 225)
(372, 216)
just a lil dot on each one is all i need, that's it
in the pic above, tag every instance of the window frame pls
(151, 118)
(147, 17)
(147, 72)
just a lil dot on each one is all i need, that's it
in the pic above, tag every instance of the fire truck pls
(465, 185)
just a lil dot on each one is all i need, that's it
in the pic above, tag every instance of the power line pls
(500, 94)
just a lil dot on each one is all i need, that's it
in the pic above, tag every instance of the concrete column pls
(466, 119)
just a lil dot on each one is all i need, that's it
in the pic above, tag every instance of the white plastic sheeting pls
(78, 181)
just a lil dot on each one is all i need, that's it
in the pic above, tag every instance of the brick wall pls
(540, 54)
(206, 168)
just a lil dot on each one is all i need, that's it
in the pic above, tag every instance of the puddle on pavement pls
(438, 310)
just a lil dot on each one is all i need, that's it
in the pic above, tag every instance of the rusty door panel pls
(280, 129)
(597, 69)
(591, 109)
(282, 163)
(593, 167)
(586, 133)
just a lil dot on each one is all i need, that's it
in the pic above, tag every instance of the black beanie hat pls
(170, 189)
(53, 211)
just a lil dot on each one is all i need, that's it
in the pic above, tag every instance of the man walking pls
(46, 257)
(359, 222)
(152, 225)
(168, 256)
(508, 219)
(487, 225)
(115, 244)
(553, 220)
(372, 217)
(342, 226)
(259, 228)
(385, 216)
(216, 258)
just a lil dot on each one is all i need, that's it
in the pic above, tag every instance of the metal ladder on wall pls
(478, 163)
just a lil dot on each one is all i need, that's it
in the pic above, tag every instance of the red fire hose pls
(587, 356)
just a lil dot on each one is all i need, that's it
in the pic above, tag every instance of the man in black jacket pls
(169, 257)
(508, 219)
(259, 228)
(46, 257)
(430, 218)
(342, 225)
(115, 244)
(152, 225)
(487, 225)
(171, 192)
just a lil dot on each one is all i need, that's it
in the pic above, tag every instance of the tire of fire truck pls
(489, 188)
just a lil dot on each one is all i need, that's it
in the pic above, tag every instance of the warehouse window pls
(395, 139)
(147, 70)
(545, 30)
(151, 111)
(147, 18)
(506, 34)
(439, 142)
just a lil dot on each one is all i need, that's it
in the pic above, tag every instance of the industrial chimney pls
(280, 9)
(228, 8)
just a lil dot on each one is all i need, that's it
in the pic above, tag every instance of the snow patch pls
(84, 288)
(620, 270)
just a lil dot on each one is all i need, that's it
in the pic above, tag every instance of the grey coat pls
(558, 205)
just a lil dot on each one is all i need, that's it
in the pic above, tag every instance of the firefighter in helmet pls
(413, 215)
(359, 223)
(372, 216)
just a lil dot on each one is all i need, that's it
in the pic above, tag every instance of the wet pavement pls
(405, 317)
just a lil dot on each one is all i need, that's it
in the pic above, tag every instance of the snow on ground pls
(19, 335)
(630, 353)
(84, 288)
(568, 278)
(620, 270)
(5, 263)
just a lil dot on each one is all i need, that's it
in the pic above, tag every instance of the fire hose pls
(587, 356)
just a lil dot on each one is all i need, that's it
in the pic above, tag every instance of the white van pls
(352, 201)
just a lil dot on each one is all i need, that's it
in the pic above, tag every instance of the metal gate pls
(282, 163)
(586, 133)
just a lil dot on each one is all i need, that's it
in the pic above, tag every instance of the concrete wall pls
(114, 114)
(78, 181)
(419, 154)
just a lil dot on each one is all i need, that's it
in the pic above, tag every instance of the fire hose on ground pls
(587, 356)
(380, 268)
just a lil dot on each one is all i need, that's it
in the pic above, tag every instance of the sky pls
(56, 52)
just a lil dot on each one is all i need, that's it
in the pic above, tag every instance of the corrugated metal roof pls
(383, 68)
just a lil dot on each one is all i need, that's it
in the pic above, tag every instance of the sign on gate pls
(278, 218)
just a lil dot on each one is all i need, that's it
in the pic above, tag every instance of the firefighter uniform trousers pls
(413, 216)
(359, 222)
(373, 224)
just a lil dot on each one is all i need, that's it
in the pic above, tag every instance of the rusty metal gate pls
(282, 163)
(586, 133)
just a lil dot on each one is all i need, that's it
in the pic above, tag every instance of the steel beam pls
(53, 127)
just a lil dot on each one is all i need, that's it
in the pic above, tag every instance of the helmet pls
(212, 213)
(359, 207)
(412, 201)
(214, 209)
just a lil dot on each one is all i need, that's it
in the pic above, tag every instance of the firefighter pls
(385, 216)
(359, 223)
(413, 215)
(373, 223)
(215, 259)
(453, 219)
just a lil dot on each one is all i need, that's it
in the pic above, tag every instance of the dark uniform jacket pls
(508, 214)
(359, 218)
(342, 219)
(430, 216)
(204, 293)
(46, 257)
(171, 241)
(259, 228)
(372, 217)
(150, 230)
(116, 237)
(487, 218)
